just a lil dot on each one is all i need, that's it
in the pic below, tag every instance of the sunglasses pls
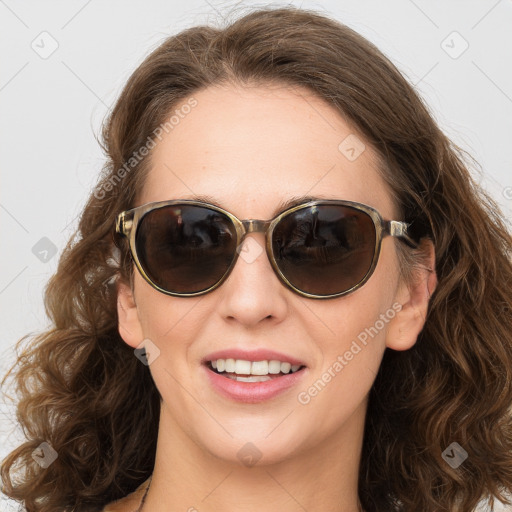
(319, 249)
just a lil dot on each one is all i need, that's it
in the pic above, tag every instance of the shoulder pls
(129, 503)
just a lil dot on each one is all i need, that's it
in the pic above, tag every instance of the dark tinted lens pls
(185, 248)
(325, 249)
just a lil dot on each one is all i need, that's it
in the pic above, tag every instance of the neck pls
(318, 478)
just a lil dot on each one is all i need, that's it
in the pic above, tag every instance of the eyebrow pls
(281, 206)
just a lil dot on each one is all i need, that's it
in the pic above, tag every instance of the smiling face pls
(251, 149)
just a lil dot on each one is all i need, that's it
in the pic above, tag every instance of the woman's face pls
(251, 149)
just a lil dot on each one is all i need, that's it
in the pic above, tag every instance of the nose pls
(253, 292)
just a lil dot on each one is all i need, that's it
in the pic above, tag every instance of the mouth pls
(242, 370)
(253, 376)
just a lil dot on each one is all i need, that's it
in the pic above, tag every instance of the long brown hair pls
(83, 392)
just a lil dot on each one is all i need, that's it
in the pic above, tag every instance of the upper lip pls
(260, 354)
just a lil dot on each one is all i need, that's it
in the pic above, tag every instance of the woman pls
(353, 354)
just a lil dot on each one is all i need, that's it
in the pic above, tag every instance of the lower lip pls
(253, 392)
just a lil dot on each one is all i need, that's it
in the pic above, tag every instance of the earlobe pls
(404, 328)
(129, 325)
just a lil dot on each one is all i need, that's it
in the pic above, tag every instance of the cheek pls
(172, 325)
(349, 356)
(350, 335)
(165, 318)
(358, 319)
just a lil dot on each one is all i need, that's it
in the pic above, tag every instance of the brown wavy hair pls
(81, 389)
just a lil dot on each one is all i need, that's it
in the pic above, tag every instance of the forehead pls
(250, 149)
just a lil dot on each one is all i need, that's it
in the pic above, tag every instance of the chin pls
(261, 444)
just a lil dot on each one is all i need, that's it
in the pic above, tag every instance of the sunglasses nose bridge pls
(255, 226)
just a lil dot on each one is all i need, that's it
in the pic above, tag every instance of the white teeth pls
(274, 366)
(230, 365)
(257, 368)
(242, 367)
(256, 378)
(285, 367)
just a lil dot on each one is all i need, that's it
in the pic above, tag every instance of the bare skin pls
(250, 149)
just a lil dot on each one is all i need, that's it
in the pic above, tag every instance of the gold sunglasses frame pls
(128, 220)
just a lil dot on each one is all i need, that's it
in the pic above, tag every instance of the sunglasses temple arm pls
(124, 223)
(399, 230)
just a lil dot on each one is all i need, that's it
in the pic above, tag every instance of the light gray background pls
(52, 107)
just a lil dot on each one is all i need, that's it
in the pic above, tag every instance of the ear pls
(129, 326)
(412, 300)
